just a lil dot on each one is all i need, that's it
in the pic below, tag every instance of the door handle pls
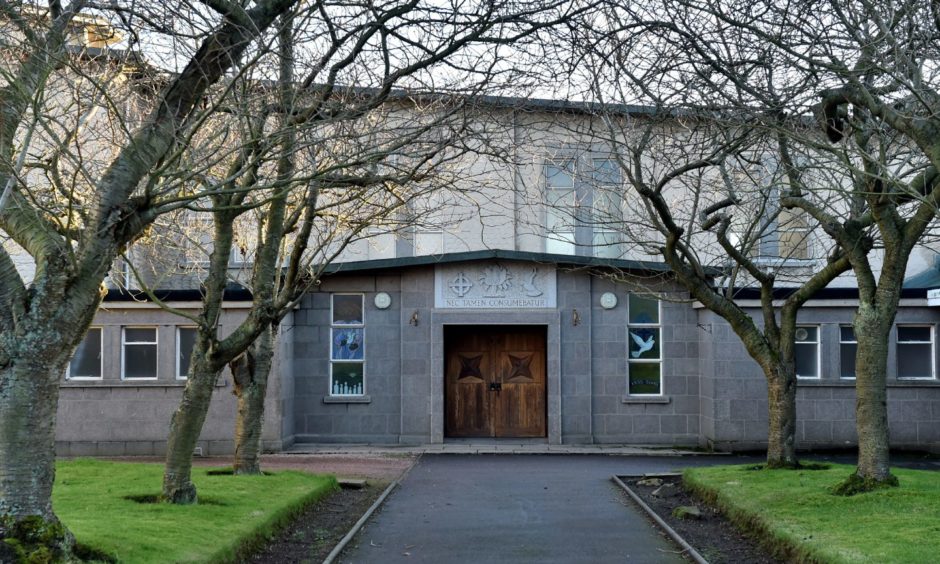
(496, 386)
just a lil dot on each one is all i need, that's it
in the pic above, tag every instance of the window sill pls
(222, 383)
(846, 383)
(778, 262)
(347, 399)
(820, 383)
(646, 399)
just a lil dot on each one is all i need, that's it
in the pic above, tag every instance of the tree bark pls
(29, 392)
(781, 412)
(872, 331)
(185, 428)
(250, 372)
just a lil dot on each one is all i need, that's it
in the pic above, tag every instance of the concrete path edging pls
(675, 536)
(359, 524)
(351, 534)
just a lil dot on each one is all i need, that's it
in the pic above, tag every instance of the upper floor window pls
(86, 362)
(763, 229)
(583, 199)
(562, 208)
(607, 208)
(792, 235)
(428, 217)
(644, 350)
(915, 351)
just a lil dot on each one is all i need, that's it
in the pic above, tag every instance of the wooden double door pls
(494, 381)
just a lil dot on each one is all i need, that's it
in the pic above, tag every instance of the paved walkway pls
(489, 508)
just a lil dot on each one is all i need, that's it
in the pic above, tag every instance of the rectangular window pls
(915, 351)
(644, 351)
(806, 350)
(848, 347)
(794, 234)
(584, 207)
(139, 358)
(427, 215)
(606, 209)
(86, 362)
(347, 346)
(562, 203)
(185, 341)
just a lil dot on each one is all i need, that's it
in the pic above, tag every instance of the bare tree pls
(703, 193)
(343, 159)
(768, 65)
(77, 206)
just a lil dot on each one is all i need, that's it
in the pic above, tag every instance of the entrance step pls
(509, 447)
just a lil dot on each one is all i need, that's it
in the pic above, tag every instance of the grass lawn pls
(91, 498)
(795, 512)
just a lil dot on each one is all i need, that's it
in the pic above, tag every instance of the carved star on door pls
(519, 368)
(470, 367)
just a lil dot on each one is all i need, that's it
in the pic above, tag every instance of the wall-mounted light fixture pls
(575, 318)
(414, 319)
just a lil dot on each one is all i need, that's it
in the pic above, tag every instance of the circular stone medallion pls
(383, 300)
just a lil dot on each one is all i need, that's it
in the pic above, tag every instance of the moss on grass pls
(798, 518)
(100, 502)
(856, 484)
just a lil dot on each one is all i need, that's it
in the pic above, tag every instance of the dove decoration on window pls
(643, 345)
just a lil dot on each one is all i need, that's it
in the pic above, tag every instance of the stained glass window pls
(644, 353)
(347, 346)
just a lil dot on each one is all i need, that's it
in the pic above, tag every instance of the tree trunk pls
(29, 393)
(781, 416)
(185, 428)
(871, 403)
(250, 372)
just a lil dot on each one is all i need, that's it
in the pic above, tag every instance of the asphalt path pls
(518, 508)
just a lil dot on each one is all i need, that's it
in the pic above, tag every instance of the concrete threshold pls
(487, 447)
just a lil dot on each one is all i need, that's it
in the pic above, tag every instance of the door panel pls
(494, 382)
(467, 401)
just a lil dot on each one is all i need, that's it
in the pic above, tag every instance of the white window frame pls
(428, 226)
(580, 217)
(360, 325)
(177, 350)
(599, 189)
(68, 367)
(155, 343)
(659, 361)
(844, 342)
(557, 241)
(933, 350)
(818, 343)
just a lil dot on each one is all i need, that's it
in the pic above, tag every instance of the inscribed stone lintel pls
(495, 285)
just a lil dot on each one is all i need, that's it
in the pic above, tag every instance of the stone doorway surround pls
(549, 318)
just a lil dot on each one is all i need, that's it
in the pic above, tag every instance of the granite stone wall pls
(734, 391)
(714, 394)
(116, 417)
(669, 419)
(374, 417)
